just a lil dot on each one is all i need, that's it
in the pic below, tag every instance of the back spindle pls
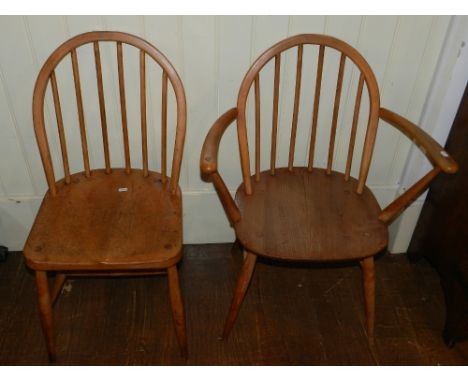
(144, 138)
(274, 127)
(58, 116)
(102, 106)
(79, 100)
(352, 138)
(318, 85)
(257, 127)
(336, 109)
(297, 94)
(164, 128)
(123, 107)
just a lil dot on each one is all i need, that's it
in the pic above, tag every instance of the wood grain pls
(102, 106)
(309, 216)
(318, 85)
(314, 316)
(118, 222)
(137, 228)
(123, 106)
(79, 103)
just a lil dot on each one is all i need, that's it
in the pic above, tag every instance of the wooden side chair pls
(307, 213)
(109, 221)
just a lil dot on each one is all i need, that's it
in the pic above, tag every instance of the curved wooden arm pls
(209, 162)
(433, 151)
(209, 154)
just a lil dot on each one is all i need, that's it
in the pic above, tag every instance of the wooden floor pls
(292, 315)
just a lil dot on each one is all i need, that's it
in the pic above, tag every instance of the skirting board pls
(204, 219)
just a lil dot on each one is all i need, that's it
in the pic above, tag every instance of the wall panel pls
(211, 54)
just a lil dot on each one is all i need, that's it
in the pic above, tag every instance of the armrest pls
(433, 151)
(209, 163)
(209, 154)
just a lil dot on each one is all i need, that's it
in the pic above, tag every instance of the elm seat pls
(132, 222)
(308, 216)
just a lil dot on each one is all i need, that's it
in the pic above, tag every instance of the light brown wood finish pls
(318, 84)
(108, 222)
(433, 151)
(128, 230)
(177, 306)
(289, 216)
(45, 313)
(303, 213)
(243, 282)
(164, 128)
(144, 129)
(79, 101)
(257, 128)
(394, 209)
(352, 138)
(59, 282)
(61, 131)
(274, 128)
(123, 106)
(297, 94)
(336, 109)
(102, 106)
(209, 162)
(347, 51)
(441, 160)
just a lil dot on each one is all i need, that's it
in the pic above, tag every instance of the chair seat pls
(107, 222)
(309, 216)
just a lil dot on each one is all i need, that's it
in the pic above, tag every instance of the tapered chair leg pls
(177, 306)
(57, 288)
(368, 277)
(45, 312)
(242, 285)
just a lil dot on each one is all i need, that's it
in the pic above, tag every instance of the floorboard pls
(292, 315)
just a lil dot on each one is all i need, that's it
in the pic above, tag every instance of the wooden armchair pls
(109, 221)
(307, 213)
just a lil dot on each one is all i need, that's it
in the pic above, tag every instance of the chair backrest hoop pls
(277, 49)
(106, 36)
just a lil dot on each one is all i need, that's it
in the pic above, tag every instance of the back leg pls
(177, 306)
(45, 312)
(58, 286)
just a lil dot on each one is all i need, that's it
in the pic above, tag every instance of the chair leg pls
(368, 277)
(177, 306)
(45, 312)
(242, 285)
(57, 288)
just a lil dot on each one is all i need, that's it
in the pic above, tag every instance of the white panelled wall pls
(211, 54)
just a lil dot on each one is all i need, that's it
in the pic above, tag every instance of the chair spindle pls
(336, 109)
(144, 137)
(164, 127)
(257, 127)
(297, 94)
(275, 113)
(79, 101)
(102, 106)
(123, 106)
(352, 138)
(318, 86)
(58, 115)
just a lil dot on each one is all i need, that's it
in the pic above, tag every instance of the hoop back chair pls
(307, 213)
(110, 221)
